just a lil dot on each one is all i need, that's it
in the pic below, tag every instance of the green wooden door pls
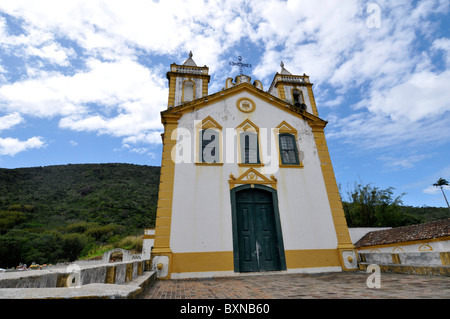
(257, 235)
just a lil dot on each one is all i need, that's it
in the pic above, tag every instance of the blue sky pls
(84, 81)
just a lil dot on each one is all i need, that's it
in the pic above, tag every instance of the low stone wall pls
(75, 275)
(421, 263)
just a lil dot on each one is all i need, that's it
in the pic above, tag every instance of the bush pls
(18, 246)
(73, 244)
(9, 219)
(80, 227)
(103, 233)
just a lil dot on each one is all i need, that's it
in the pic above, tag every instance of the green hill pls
(57, 213)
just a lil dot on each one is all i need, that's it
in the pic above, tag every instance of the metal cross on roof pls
(241, 65)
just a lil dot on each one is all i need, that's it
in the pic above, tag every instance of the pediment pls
(285, 127)
(252, 176)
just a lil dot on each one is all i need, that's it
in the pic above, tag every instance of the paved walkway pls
(351, 285)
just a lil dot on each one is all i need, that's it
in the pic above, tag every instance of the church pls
(247, 185)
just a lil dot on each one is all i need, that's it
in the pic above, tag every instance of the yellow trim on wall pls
(258, 85)
(172, 87)
(445, 258)
(312, 100)
(165, 194)
(334, 198)
(312, 258)
(203, 262)
(281, 93)
(425, 247)
(190, 262)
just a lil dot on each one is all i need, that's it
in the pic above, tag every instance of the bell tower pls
(187, 82)
(294, 89)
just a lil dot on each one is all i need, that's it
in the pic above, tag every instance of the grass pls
(131, 243)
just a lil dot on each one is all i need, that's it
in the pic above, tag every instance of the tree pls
(369, 206)
(441, 183)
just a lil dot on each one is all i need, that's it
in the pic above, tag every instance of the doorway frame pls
(276, 213)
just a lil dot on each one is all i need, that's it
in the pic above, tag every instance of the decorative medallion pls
(245, 105)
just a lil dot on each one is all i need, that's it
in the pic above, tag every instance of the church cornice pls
(269, 98)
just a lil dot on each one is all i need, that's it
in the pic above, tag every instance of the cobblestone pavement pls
(344, 285)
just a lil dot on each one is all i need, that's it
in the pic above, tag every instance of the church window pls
(288, 149)
(248, 144)
(249, 148)
(209, 145)
(188, 91)
(287, 139)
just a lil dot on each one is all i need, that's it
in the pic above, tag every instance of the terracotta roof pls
(435, 229)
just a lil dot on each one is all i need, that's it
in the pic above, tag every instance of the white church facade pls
(247, 184)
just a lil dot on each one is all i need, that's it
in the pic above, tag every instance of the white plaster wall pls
(179, 88)
(201, 212)
(147, 246)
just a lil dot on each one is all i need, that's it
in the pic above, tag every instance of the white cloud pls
(151, 138)
(11, 146)
(366, 130)
(53, 52)
(123, 87)
(10, 120)
(432, 190)
(423, 95)
(329, 40)
(114, 28)
(395, 163)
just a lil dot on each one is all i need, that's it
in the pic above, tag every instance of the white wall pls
(201, 212)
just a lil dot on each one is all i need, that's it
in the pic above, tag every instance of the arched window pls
(209, 144)
(248, 143)
(249, 147)
(297, 97)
